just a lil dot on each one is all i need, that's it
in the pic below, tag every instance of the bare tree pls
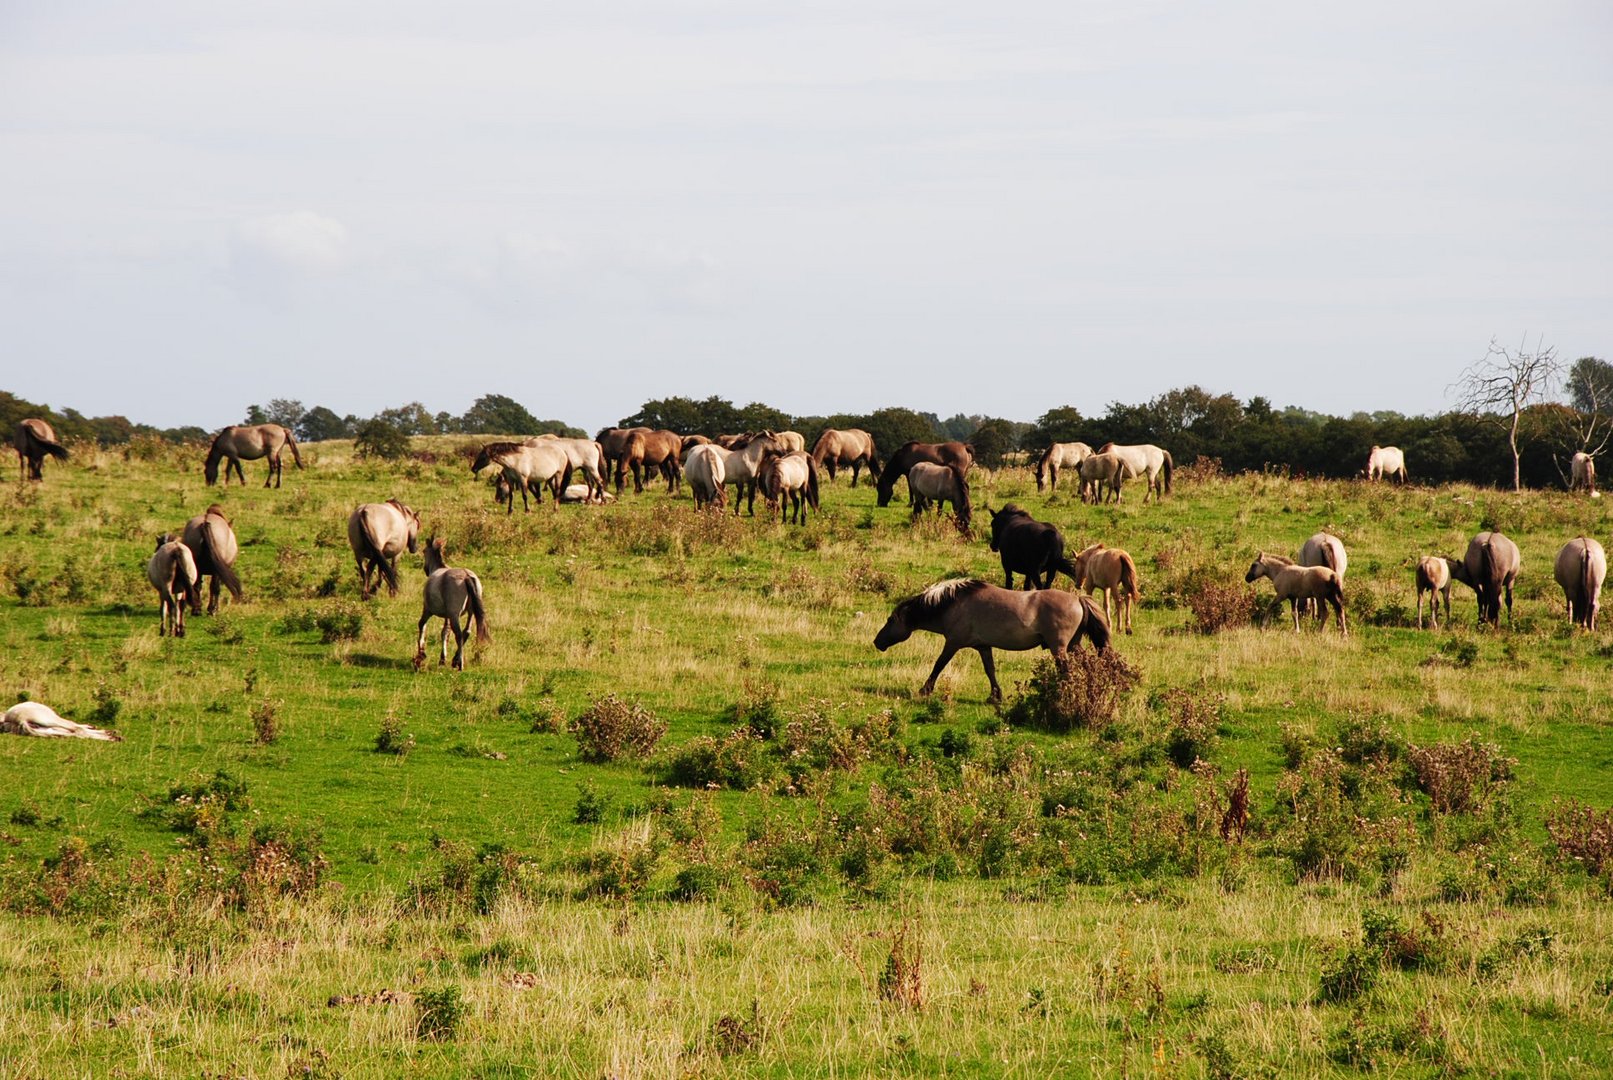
(1501, 384)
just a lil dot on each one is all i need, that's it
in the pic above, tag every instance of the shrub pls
(902, 979)
(1407, 948)
(739, 761)
(1582, 835)
(1083, 690)
(1195, 718)
(591, 805)
(1459, 778)
(1219, 605)
(342, 623)
(439, 1013)
(611, 729)
(379, 439)
(265, 723)
(1349, 973)
(392, 739)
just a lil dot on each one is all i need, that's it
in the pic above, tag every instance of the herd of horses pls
(967, 613)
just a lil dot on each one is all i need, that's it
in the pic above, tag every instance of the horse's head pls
(436, 555)
(895, 631)
(210, 469)
(165, 538)
(483, 460)
(1257, 569)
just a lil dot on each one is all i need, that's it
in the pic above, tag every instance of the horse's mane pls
(1274, 557)
(940, 596)
(501, 448)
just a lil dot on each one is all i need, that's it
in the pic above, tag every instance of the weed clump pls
(1583, 836)
(1459, 778)
(265, 722)
(392, 739)
(1219, 605)
(612, 729)
(440, 1012)
(1195, 717)
(1084, 690)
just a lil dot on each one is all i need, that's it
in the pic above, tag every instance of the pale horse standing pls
(1434, 578)
(1582, 474)
(1113, 571)
(1300, 583)
(378, 534)
(452, 593)
(705, 470)
(172, 572)
(1581, 569)
(1386, 461)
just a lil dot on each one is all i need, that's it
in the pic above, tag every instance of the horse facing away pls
(706, 475)
(528, 467)
(1101, 471)
(35, 439)
(172, 572)
(1149, 462)
(584, 454)
(836, 449)
(1490, 568)
(1434, 578)
(378, 534)
(451, 594)
(970, 614)
(911, 453)
(1061, 455)
(1581, 568)
(1030, 547)
(1112, 571)
(1386, 461)
(793, 476)
(1297, 583)
(1582, 474)
(248, 443)
(939, 484)
(212, 544)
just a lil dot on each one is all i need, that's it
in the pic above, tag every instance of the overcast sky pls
(960, 207)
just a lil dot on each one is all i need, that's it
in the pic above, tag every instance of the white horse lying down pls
(33, 718)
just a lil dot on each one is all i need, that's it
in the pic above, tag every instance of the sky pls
(828, 207)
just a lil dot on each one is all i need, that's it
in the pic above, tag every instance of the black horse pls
(911, 453)
(1030, 547)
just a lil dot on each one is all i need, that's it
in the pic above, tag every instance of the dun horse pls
(937, 484)
(1101, 474)
(248, 443)
(451, 594)
(837, 449)
(645, 452)
(527, 467)
(1386, 461)
(1030, 547)
(1433, 578)
(970, 614)
(172, 572)
(793, 476)
(34, 440)
(1582, 474)
(706, 475)
(584, 454)
(911, 453)
(1147, 461)
(1299, 583)
(1490, 567)
(1061, 455)
(378, 534)
(1581, 568)
(1112, 571)
(212, 544)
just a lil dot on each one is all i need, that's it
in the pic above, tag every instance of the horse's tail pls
(1093, 624)
(49, 446)
(873, 455)
(812, 484)
(1166, 454)
(1586, 581)
(216, 566)
(478, 611)
(1054, 559)
(1330, 557)
(291, 441)
(371, 550)
(961, 505)
(1128, 576)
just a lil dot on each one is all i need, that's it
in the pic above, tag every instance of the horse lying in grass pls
(1434, 578)
(378, 534)
(451, 594)
(1300, 583)
(1490, 568)
(1581, 568)
(212, 544)
(1030, 547)
(172, 572)
(1112, 571)
(970, 614)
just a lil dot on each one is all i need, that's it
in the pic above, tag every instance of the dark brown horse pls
(911, 453)
(35, 439)
(1030, 547)
(250, 442)
(644, 452)
(212, 544)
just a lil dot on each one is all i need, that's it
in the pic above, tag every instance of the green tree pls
(411, 419)
(378, 438)
(495, 414)
(320, 423)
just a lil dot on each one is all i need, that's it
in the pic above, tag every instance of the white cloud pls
(300, 241)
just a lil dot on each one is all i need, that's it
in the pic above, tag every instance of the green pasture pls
(1210, 971)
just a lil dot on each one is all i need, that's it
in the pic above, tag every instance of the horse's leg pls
(1293, 605)
(1008, 575)
(274, 459)
(212, 595)
(1420, 609)
(990, 664)
(420, 636)
(449, 622)
(948, 651)
(1508, 587)
(461, 633)
(179, 614)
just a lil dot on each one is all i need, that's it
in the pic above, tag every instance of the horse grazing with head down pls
(172, 572)
(1112, 571)
(1030, 547)
(1581, 568)
(836, 449)
(929, 484)
(248, 443)
(1300, 583)
(970, 614)
(1147, 461)
(704, 469)
(1101, 475)
(378, 533)
(212, 544)
(1490, 568)
(792, 476)
(1582, 474)
(742, 465)
(1061, 455)
(34, 440)
(1433, 578)
(451, 594)
(911, 453)
(1386, 461)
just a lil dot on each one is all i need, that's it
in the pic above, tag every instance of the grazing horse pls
(249, 443)
(706, 474)
(1490, 567)
(1386, 461)
(378, 533)
(172, 572)
(1582, 474)
(526, 466)
(911, 453)
(1030, 547)
(645, 450)
(1149, 462)
(613, 441)
(584, 454)
(793, 475)
(1581, 569)
(1323, 549)
(33, 440)
(1434, 578)
(928, 483)
(1100, 473)
(451, 594)
(1113, 571)
(1297, 583)
(1061, 455)
(970, 614)
(851, 446)
(212, 544)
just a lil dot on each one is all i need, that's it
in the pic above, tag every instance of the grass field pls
(814, 872)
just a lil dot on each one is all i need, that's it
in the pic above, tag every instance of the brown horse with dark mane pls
(911, 453)
(212, 544)
(852, 447)
(250, 442)
(34, 440)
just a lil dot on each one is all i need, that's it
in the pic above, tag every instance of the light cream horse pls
(526, 466)
(249, 442)
(1113, 571)
(1433, 578)
(1386, 461)
(1147, 461)
(33, 440)
(172, 572)
(1101, 475)
(451, 594)
(1323, 549)
(1581, 569)
(212, 544)
(1296, 583)
(704, 469)
(378, 534)
(792, 441)
(584, 454)
(1582, 474)
(743, 466)
(1061, 455)
(792, 476)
